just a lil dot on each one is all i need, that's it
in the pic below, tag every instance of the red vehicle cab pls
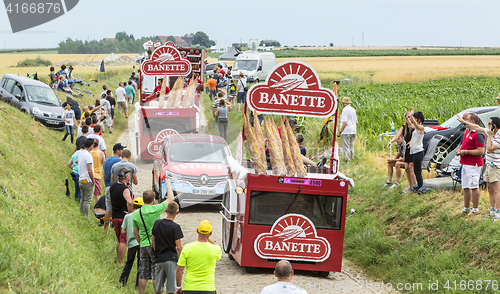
(196, 165)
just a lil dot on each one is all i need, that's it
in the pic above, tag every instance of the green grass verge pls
(47, 245)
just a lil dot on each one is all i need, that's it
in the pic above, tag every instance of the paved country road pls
(230, 278)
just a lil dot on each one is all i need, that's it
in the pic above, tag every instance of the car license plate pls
(52, 122)
(204, 191)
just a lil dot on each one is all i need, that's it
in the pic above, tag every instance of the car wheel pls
(256, 81)
(442, 150)
(323, 274)
(227, 227)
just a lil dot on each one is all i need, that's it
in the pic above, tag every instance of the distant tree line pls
(122, 43)
(268, 43)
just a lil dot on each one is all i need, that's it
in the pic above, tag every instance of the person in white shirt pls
(121, 99)
(284, 274)
(95, 134)
(347, 132)
(86, 173)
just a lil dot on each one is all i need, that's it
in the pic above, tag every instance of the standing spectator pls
(126, 155)
(222, 84)
(87, 122)
(81, 140)
(143, 222)
(108, 120)
(69, 121)
(121, 203)
(74, 173)
(212, 86)
(112, 103)
(221, 114)
(74, 106)
(284, 274)
(130, 94)
(232, 94)
(121, 99)
(86, 173)
(300, 141)
(347, 132)
(492, 172)
(132, 244)
(108, 164)
(166, 241)
(98, 158)
(86, 110)
(242, 83)
(416, 121)
(102, 144)
(105, 90)
(199, 259)
(397, 162)
(471, 152)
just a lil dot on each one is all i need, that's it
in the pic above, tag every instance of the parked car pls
(195, 163)
(209, 69)
(450, 133)
(34, 98)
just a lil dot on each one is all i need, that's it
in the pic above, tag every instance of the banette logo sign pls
(167, 60)
(28, 14)
(293, 237)
(154, 146)
(292, 88)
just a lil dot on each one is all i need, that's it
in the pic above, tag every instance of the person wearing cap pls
(108, 164)
(143, 222)
(105, 89)
(132, 245)
(121, 204)
(347, 132)
(156, 92)
(166, 241)
(126, 156)
(198, 258)
(284, 275)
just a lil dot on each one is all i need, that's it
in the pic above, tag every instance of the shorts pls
(213, 93)
(117, 226)
(122, 105)
(130, 99)
(147, 264)
(108, 199)
(491, 174)
(408, 156)
(241, 97)
(108, 121)
(98, 187)
(165, 271)
(470, 176)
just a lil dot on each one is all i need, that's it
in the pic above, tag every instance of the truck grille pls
(195, 181)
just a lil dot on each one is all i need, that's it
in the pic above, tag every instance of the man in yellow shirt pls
(98, 157)
(199, 259)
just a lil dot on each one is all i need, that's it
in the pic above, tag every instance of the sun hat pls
(346, 100)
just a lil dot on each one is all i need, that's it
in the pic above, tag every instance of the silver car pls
(34, 98)
(209, 69)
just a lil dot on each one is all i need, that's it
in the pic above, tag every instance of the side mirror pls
(260, 68)
(18, 96)
(158, 156)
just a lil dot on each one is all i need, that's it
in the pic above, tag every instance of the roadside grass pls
(47, 245)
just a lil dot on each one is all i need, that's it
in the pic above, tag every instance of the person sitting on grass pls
(300, 140)
(398, 162)
(63, 85)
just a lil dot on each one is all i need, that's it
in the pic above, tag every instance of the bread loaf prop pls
(253, 148)
(295, 150)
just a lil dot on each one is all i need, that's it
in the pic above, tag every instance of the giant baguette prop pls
(287, 155)
(299, 165)
(274, 150)
(253, 148)
(260, 137)
(188, 97)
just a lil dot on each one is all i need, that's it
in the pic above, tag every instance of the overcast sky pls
(291, 22)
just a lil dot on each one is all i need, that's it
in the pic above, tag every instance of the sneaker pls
(393, 186)
(471, 214)
(494, 218)
(387, 185)
(492, 213)
(415, 187)
(408, 191)
(423, 189)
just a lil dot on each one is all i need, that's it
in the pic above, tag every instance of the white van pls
(254, 65)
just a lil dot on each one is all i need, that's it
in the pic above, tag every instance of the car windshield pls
(248, 65)
(198, 152)
(452, 122)
(42, 95)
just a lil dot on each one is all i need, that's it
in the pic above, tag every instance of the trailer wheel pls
(250, 270)
(323, 274)
(227, 227)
